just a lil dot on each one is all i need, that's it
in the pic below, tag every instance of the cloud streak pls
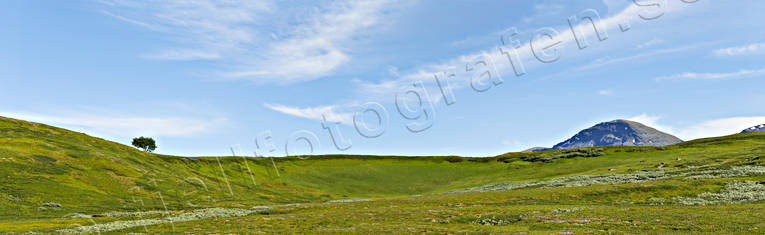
(703, 129)
(714, 76)
(652, 121)
(720, 127)
(629, 14)
(751, 49)
(332, 113)
(252, 36)
(125, 126)
(385, 90)
(316, 49)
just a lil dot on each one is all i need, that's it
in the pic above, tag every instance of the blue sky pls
(203, 77)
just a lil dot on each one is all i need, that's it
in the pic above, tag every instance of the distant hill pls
(535, 149)
(618, 133)
(759, 128)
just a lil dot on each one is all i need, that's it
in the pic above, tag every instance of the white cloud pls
(629, 13)
(605, 92)
(650, 43)
(385, 90)
(544, 10)
(332, 113)
(652, 121)
(703, 129)
(183, 54)
(319, 50)
(714, 76)
(602, 62)
(210, 27)
(261, 40)
(124, 126)
(720, 127)
(751, 49)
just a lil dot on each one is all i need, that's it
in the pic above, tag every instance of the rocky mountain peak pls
(617, 133)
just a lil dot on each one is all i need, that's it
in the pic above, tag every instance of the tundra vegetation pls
(91, 185)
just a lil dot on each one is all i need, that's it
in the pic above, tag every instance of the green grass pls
(40, 164)
(600, 209)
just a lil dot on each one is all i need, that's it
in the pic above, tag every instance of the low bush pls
(198, 214)
(453, 159)
(573, 153)
(737, 171)
(734, 192)
(635, 177)
(496, 221)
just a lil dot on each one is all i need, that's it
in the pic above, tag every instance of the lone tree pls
(146, 144)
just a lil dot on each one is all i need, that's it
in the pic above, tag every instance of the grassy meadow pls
(54, 180)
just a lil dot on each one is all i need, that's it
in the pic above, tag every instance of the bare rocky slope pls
(618, 133)
(759, 128)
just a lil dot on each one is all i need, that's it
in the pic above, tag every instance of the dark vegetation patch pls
(572, 153)
(490, 220)
(480, 159)
(44, 159)
(632, 150)
(146, 186)
(453, 159)
(47, 165)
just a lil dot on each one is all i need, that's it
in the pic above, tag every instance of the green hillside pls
(49, 175)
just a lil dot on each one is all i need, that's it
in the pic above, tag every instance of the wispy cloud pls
(183, 54)
(385, 90)
(628, 13)
(124, 126)
(650, 43)
(252, 36)
(205, 26)
(332, 113)
(544, 9)
(602, 62)
(714, 76)
(751, 49)
(703, 129)
(652, 121)
(317, 49)
(606, 92)
(720, 127)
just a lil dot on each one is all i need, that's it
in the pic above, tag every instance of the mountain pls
(616, 133)
(760, 128)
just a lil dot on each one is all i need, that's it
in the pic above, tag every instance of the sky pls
(418, 77)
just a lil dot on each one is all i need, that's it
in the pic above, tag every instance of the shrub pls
(198, 214)
(480, 159)
(51, 204)
(635, 177)
(657, 201)
(587, 180)
(632, 150)
(564, 210)
(12, 198)
(453, 159)
(737, 171)
(494, 221)
(572, 153)
(734, 192)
